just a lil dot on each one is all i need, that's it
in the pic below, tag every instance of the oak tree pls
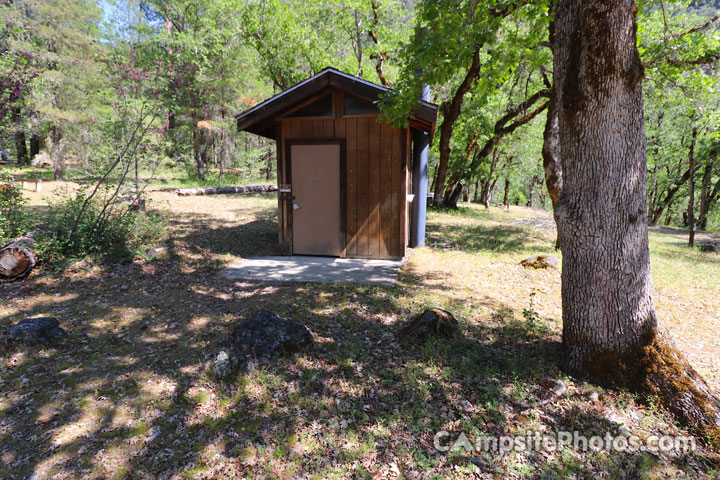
(611, 330)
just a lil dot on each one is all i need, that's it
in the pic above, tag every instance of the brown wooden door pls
(316, 199)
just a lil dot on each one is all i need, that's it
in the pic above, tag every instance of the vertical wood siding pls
(376, 182)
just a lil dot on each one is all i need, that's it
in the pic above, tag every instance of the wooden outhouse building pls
(345, 178)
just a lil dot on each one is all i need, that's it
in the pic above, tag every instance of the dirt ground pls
(126, 394)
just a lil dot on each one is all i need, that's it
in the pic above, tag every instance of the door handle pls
(296, 206)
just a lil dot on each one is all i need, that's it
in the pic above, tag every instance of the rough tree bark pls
(611, 331)
(550, 154)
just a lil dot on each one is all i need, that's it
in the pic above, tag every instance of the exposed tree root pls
(656, 368)
(682, 391)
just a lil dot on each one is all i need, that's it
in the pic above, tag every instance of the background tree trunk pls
(34, 145)
(21, 151)
(691, 189)
(451, 112)
(611, 332)
(56, 153)
(506, 196)
(705, 194)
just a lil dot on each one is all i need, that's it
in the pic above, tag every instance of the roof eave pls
(261, 118)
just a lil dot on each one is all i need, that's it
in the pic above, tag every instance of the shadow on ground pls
(125, 395)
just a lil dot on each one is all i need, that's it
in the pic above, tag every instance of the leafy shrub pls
(14, 219)
(115, 235)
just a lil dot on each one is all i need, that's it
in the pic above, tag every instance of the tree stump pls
(17, 259)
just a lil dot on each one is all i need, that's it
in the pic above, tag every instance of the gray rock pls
(224, 364)
(432, 322)
(541, 261)
(41, 329)
(709, 247)
(556, 386)
(258, 340)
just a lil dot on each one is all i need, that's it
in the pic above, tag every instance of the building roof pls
(261, 118)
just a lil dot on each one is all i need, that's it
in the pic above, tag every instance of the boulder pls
(258, 340)
(710, 247)
(432, 322)
(541, 261)
(41, 329)
(42, 159)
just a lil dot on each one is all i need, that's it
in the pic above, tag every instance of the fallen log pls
(223, 190)
(17, 258)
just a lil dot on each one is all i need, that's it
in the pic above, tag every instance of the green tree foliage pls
(56, 42)
(470, 52)
(680, 47)
(14, 220)
(488, 64)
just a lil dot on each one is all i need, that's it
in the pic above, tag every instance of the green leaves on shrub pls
(14, 219)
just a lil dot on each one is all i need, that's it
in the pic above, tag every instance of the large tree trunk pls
(611, 332)
(552, 164)
(17, 259)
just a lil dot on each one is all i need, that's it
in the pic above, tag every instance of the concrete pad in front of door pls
(315, 269)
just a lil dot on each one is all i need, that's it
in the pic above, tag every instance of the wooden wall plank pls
(328, 129)
(351, 170)
(363, 185)
(296, 129)
(339, 132)
(306, 127)
(318, 128)
(385, 199)
(404, 218)
(374, 188)
(397, 140)
(339, 129)
(280, 179)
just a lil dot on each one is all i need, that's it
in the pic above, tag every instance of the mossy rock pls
(541, 261)
(432, 322)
